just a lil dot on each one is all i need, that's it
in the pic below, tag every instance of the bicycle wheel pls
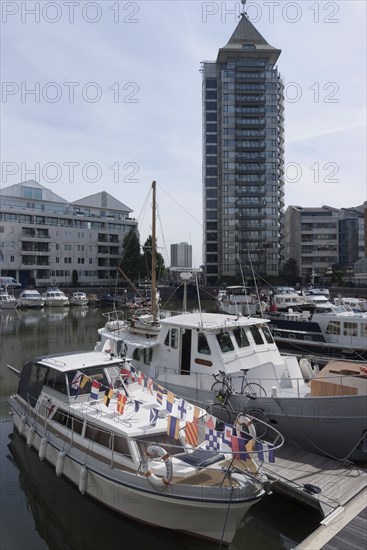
(219, 411)
(221, 386)
(254, 389)
(261, 429)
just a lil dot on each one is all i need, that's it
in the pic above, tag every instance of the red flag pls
(191, 434)
(121, 400)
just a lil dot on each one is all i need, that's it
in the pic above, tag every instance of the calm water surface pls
(40, 511)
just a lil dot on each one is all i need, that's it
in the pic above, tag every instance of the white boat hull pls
(136, 498)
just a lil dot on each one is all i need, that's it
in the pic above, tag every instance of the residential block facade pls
(323, 238)
(243, 157)
(44, 237)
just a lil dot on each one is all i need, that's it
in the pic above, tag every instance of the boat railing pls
(259, 387)
(115, 315)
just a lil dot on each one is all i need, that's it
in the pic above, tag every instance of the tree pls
(146, 264)
(290, 271)
(131, 257)
(74, 277)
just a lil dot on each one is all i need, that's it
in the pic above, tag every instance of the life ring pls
(245, 423)
(155, 451)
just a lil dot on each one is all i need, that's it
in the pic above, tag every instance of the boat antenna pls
(199, 303)
(154, 254)
(244, 286)
(256, 288)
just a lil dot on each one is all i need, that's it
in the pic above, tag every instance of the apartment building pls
(243, 157)
(46, 238)
(323, 238)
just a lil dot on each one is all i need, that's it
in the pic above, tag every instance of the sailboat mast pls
(154, 252)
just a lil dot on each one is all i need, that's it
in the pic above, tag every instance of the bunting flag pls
(108, 394)
(137, 405)
(125, 370)
(150, 385)
(227, 434)
(170, 401)
(132, 373)
(84, 380)
(196, 415)
(75, 383)
(141, 379)
(121, 400)
(265, 451)
(94, 389)
(213, 439)
(153, 416)
(160, 392)
(173, 426)
(182, 408)
(239, 447)
(210, 422)
(145, 382)
(191, 434)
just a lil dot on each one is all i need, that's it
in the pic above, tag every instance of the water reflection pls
(67, 520)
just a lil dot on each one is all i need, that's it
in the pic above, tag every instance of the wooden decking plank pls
(339, 482)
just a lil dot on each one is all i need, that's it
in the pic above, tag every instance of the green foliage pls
(146, 261)
(74, 278)
(131, 258)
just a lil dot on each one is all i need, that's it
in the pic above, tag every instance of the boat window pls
(364, 330)
(350, 329)
(203, 346)
(256, 335)
(121, 446)
(69, 421)
(102, 437)
(136, 354)
(333, 327)
(148, 352)
(171, 338)
(241, 337)
(171, 445)
(225, 342)
(56, 381)
(31, 382)
(94, 373)
(268, 335)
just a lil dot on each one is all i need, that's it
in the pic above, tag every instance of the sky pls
(106, 96)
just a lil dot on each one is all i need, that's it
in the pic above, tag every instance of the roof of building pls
(246, 34)
(16, 190)
(102, 200)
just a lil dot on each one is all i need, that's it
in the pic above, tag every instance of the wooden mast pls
(154, 244)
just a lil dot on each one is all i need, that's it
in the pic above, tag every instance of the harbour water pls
(40, 511)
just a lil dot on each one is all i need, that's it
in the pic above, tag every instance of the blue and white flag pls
(265, 451)
(227, 434)
(137, 405)
(153, 416)
(213, 439)
(182, 408)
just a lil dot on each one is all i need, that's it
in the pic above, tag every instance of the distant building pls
(325, 237)
(181, 255)
(43, 236)
(243, 157)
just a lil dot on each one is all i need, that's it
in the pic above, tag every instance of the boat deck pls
(295, 470)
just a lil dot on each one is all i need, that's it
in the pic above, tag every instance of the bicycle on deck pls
(223, 409)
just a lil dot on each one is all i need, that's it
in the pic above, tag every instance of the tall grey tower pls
(243, 157)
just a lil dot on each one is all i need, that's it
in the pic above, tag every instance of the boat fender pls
(43, 447)
(60, 463)
(83, 480)
(155, 451)
(22, 425)
(30, 435)
(245, 423)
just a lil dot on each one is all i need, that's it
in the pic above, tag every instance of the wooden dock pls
(345, 529)
(298, 474)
